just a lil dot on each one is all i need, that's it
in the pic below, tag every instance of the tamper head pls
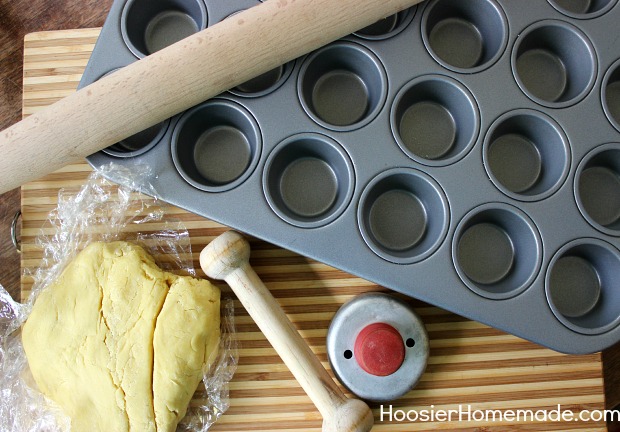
(225, 254)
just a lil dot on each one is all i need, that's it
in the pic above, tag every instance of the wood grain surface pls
(470, 363)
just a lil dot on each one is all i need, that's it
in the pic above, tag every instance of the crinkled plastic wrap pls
(102, 211)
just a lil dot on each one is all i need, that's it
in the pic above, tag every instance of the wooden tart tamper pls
(227, 258)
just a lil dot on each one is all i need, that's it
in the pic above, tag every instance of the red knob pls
(379, 349)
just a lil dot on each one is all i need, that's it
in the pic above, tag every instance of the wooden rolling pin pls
(177, 78)
(227, 257)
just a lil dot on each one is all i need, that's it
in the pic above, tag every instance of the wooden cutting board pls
(470, 363)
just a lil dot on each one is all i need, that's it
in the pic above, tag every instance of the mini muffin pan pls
(466, 153)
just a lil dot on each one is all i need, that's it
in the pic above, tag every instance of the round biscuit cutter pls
(377, 347)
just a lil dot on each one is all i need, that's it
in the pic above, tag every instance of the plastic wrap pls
(102, 211)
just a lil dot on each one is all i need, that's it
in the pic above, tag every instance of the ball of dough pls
(119, 343)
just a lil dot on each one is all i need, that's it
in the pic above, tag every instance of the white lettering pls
(614, 415)
(450, 412)
(387, 413)
(596, 415)
(528, 415)
(554, 415)
(478, 415)
(383, 412)
(567, 415)
(412, 418)
(541, 415)
(468, 412)
(493, 413)
(399, 415)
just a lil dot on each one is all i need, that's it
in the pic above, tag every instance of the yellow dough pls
(120, 344)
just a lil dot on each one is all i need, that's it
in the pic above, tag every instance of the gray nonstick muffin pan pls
(466, 153)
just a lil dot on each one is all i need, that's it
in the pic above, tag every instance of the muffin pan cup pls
(497, 251)
(610, 94)
(487, 187)
(216, 145)
(403, 215)
(308, 180)
(148, 26)
(342, 86)
(582, 286)
(583, 9)
(597, 188)
(435, 120)
(526, 154)
(389, 26)
(466, 36)
(554, 63)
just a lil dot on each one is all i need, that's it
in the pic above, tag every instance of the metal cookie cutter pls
(377, 347)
